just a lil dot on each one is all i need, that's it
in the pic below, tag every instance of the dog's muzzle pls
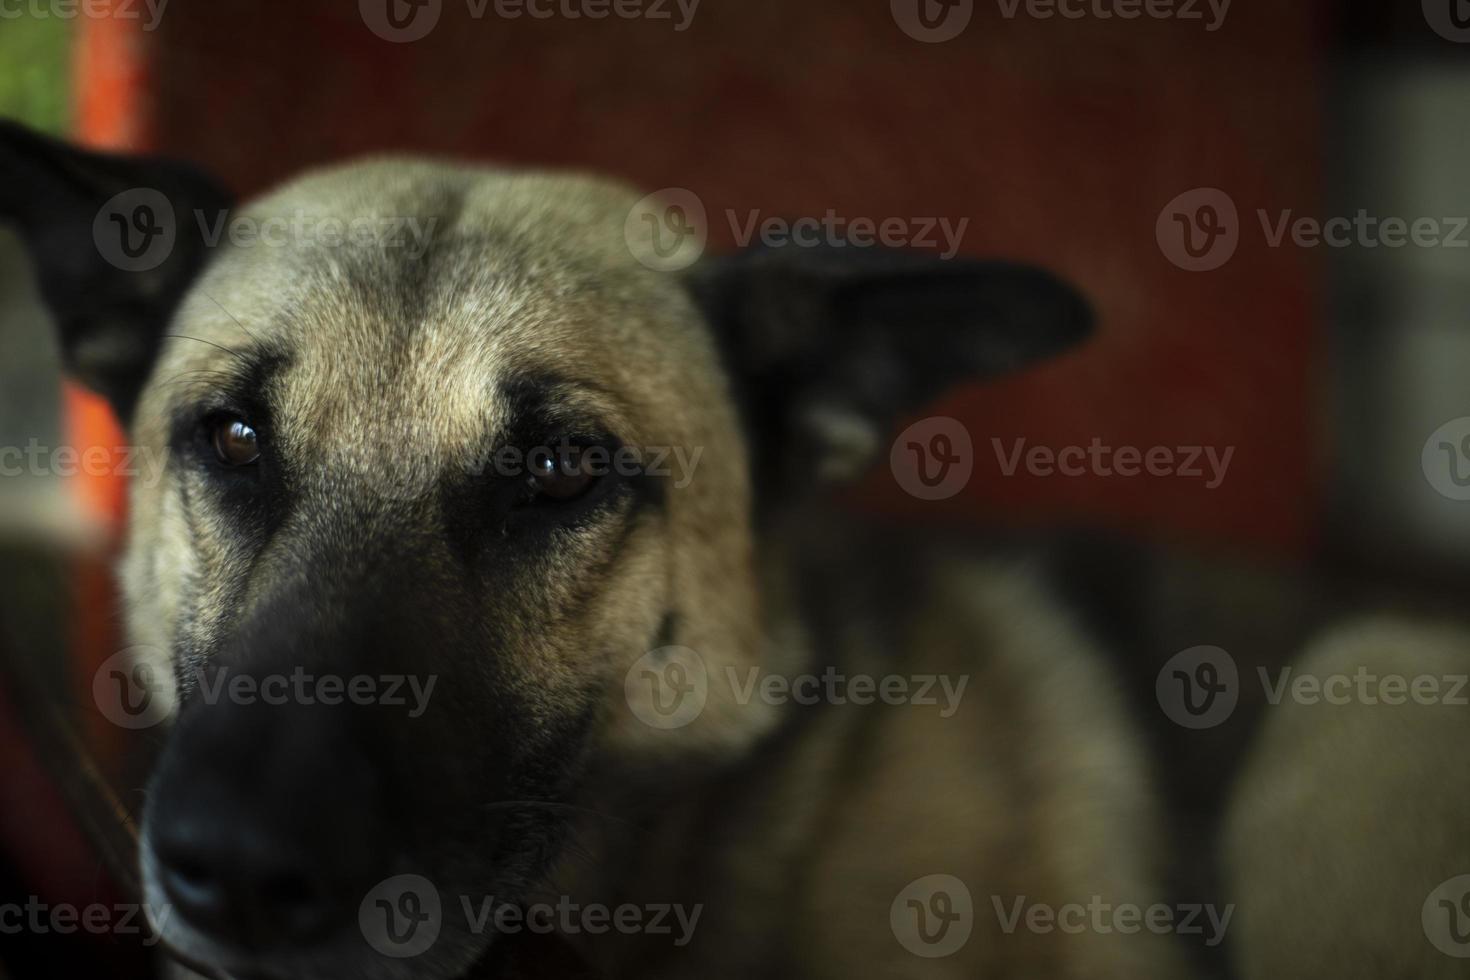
(264, 829)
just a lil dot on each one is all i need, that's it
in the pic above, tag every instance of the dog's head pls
(452, 464)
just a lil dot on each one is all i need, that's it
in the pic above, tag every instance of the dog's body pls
(1033, 790)
(368, 535)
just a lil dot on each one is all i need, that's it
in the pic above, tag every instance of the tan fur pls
(1033, 789)
(1350, 815)
(379, 402)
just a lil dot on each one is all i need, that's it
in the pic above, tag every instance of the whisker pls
(221, 347)
(184, 377)
(231, 316)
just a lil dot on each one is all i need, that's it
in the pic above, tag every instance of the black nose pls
(265, 824)
(235, 885)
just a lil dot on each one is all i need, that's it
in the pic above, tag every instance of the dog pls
(555, 508)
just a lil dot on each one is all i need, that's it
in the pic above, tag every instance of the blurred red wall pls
(1060, 139)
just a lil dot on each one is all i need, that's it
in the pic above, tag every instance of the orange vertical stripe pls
(112, 83)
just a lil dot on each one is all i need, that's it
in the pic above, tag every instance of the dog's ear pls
(829, 347)
(115, 240)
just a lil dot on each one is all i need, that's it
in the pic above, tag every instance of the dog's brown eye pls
(559, 476)
(235, 442)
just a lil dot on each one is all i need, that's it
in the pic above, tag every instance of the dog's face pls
(469, 469)
(430, 499)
